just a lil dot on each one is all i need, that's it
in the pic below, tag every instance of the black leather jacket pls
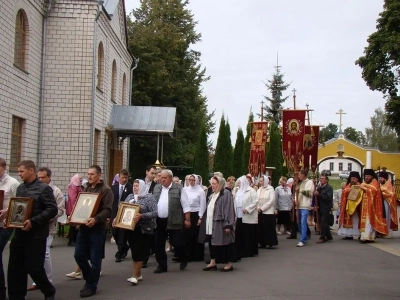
(44, 208)
(325, 198)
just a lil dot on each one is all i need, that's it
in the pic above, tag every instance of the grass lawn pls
(335, 183)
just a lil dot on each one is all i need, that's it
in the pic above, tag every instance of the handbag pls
(147, 228)
(331, 219)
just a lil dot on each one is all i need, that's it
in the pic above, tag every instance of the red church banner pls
(292, 138)
(310, 147)
(257, 148)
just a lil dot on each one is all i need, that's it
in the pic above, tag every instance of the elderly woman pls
(217, 226)
(246, 234)
(74, 189)
(284, 202)
(197, 202)
(138, 241)
(266, 217)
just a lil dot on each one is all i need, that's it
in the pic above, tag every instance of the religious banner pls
(292, 138)
(310, 147)
(257, 149)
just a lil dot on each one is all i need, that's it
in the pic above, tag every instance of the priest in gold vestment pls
(372, 218)
(390, 203)
(349, 218)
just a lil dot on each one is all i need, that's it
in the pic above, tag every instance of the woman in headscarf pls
(197, 201)
(266, 217)
(116, 179)
(247, 220)
(74, 189)
(284, 202)
(139, 243)
(217, 226)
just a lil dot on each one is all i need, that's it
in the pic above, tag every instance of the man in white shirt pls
(173, 216)
(9, 186)
(151, 172)
(44, 175)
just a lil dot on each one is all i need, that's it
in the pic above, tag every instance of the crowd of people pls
(235, 218)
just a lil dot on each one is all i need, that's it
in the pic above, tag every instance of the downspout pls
(136, 61)
(41, 93)
(91, 150)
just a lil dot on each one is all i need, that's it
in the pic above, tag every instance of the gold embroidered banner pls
(292, 138)
(310, 147)
(257, 148)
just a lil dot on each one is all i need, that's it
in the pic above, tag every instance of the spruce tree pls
(238, 154)
(276, 86)
(228, 151)
(200, 166)
(220, 148)
(274, 153)
(247, 144)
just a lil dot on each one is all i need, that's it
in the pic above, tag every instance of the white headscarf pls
(142, 189)
(266, 181)
(244, 184)
(196, 186)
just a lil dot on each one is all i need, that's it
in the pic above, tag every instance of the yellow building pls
(340, 152)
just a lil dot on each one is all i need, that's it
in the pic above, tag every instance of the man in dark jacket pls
(28, 247)
(120, 190)
(324, 194)
(91, 236)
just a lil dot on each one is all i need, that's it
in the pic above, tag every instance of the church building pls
(65, 64)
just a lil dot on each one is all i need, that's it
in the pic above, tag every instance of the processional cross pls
(341, 113)
(262, 110)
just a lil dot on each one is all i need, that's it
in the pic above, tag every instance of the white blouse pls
(210, 213)
(197, 200)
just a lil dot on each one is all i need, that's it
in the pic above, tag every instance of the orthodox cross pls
(340, 113)
(262, 110)
(294, 98)
(308, 115)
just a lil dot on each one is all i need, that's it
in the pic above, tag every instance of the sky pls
(317, 43)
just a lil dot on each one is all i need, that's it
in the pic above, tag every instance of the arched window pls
(124, 90)
(100, 66)
(114, 81)
(21, 39)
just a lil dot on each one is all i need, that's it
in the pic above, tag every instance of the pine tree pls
(276, 86)
(238, 154)
(274, 156)
(247, 144)
(200, 166)
(219, 161)
(229, 151)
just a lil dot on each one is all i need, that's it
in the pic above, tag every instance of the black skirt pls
(222, 254)
(139, 243)
(250, 240)
(267, 230)
(283, 217)
(194, 250)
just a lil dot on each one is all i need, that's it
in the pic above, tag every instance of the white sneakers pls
(134, 280)
(74, 275)
(300, 244)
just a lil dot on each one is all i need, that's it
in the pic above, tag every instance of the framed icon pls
(125, 216)
(85, 207)
(355, 193)
(1, 199)
(19, 210)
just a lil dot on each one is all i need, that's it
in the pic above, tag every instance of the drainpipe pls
(91, 150)
(136, 61)
(41, 95)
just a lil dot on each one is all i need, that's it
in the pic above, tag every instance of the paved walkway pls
(336, 270)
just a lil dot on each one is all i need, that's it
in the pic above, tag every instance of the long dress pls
(266, 219)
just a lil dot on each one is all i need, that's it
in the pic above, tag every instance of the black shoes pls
(291, 237)
(213, 268)
(118, 259)
(124, 255)
(87, 292)
(227, 270)
(160, 270)
(183, 265)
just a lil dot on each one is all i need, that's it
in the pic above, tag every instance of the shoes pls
(183, 265)
(320, 241)
(160, 270)
(279, 232)
(329, 238)
(140, 278)
(124, 255)
(213, 268)
(112, 240)
(168, 249)
(144, 265)
(87, 292)
(118, 259)
(101, 273)
(347, 238)
(291, 238)
(133, 280)
(32, 288)
(288, 232)
(300, 244)
(74, 275)
(227, 270)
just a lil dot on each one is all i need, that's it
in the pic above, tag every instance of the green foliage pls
(247, 144)
(355, 136)
(223, 151)
(238, 154)
(161, 34)
(380, 135)
(381, 61)
(274, 156)
(327, 132)
(276, 86)
(200, 166)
